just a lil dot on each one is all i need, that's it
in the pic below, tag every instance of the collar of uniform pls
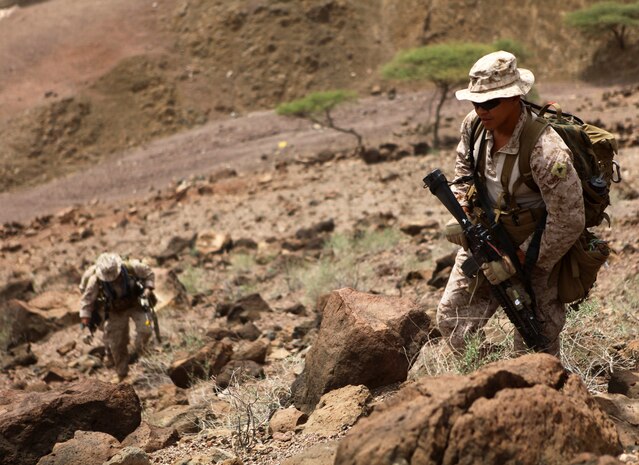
(512, 147)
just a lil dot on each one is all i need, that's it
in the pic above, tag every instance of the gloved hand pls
(454, 233)
(499, 270)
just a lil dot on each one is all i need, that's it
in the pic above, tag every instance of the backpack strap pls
(530, 134)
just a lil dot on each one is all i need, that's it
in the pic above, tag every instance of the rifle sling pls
(497, 228)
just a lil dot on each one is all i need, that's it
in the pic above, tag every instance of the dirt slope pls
(82, 80)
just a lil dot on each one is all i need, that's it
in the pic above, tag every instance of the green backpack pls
(593, 150)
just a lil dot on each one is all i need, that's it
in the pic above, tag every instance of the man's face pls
(495, 113)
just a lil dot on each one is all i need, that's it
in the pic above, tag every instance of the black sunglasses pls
(488, 104)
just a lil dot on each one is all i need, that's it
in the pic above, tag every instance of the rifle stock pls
(517, 305)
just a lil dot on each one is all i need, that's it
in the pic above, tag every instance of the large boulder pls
(31, 423)
(57, 307)
(525, 411)
(22, 324)
(33, 320)
(363, 339)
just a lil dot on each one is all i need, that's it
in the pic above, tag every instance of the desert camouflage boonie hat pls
(108, 267)
(496, 76)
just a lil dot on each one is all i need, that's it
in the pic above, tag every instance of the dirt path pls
(245, 143)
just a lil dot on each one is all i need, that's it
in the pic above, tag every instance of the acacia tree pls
(317, 108)
(445, 65)
(606, 17)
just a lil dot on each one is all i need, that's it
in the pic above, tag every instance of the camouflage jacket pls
(93, 286)
(553, 172)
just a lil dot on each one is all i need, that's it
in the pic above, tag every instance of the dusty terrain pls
(141, 143)
(75, 88)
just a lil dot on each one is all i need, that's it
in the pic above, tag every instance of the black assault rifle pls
(516, 303)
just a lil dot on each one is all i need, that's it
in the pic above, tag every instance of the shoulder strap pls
(529, 136)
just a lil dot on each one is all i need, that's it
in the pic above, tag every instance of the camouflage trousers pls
(463, 312)
(116, 336)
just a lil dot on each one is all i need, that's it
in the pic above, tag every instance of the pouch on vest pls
(577, 270)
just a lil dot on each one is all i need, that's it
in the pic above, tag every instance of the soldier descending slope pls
(112, 290)
(491, 191)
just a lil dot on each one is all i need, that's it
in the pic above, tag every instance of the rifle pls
(517, 304)
(148, 305)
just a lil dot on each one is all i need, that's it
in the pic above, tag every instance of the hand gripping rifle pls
(516, 303)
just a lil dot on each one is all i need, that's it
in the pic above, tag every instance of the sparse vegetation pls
(342, 264)
(317, 107)
(614, 18)
(446, 66)
(192, 278)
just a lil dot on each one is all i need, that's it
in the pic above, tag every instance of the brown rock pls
(66, 348)
(624, 382)
(319, 454)
(170, 394)
(363, 339)
(591, 459)
(31, 423)
(211, 242)
(624, 412)
(286, 420)
(238, 371)
(57, 307)
(206, 362)
(338, 410)
(85, 448)
(150, 438)
(526, 411)
(255, 351)
(24, 324)
(244, 310)
(185, 419)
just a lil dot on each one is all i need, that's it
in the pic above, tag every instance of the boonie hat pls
(108, 267)
(496, 76)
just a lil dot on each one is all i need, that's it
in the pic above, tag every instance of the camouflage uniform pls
(466, 306)
(125, 305)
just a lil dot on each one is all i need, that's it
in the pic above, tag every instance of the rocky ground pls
(151, 144)
(244, 257)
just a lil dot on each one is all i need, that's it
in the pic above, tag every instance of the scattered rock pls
(238, 371)
(211, 242)
(206, 362)
(624, 412)
(129, 456)
(338, 410)
(150, 438)
(624, 382)
(85, 448)
(286, 420)
(318, 454)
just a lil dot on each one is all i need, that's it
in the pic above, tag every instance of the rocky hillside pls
(297, 281)
(70, 97)
(268, 357)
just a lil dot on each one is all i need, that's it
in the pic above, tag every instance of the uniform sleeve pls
(462, 164)
(89, 296)
(560, 187)
(144, 272)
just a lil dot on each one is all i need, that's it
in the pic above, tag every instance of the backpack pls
(593, 153)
